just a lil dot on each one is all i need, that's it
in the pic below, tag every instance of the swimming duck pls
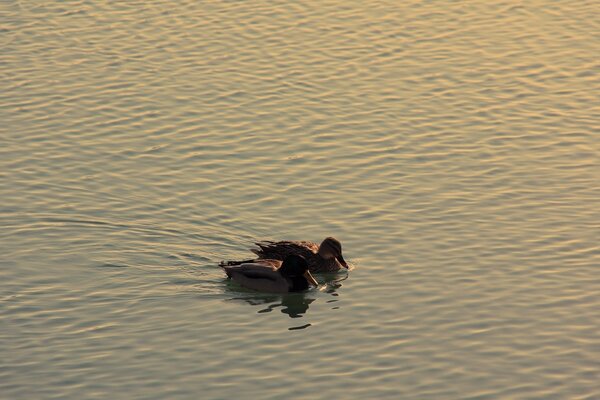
(275, 276)
(326, 257)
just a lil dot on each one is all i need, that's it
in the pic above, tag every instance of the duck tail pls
(263, 248)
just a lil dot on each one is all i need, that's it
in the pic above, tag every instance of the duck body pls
(326, 257)
(273, 276)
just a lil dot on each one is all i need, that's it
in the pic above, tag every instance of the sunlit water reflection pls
(452, 148)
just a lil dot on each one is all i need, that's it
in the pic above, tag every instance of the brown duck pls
(326, 257)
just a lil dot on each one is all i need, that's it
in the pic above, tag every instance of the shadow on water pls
(295, 305)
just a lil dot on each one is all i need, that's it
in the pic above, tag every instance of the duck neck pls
(297, 283)
(322, 256)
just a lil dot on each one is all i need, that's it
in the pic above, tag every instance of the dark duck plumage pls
(274, 276)
(326, 257)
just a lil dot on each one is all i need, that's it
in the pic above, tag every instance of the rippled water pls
(452, 147)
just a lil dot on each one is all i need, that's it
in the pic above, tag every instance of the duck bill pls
(310, 278)
(342, 261)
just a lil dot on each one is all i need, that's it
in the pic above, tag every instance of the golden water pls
(452, 147)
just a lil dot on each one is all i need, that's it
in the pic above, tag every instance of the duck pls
(326, 257)
(273, 276)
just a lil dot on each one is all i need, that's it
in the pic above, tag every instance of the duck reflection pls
(295, 305)
(333, 282)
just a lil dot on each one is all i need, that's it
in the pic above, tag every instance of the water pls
(453, 148)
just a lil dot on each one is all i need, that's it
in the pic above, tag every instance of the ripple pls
(451, 147)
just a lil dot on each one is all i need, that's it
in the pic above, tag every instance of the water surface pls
(452, 147)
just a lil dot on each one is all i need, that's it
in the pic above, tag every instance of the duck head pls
(332, 248)
(295, 269)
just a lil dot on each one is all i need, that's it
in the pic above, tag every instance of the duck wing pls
(275, 264)
(261, 276)
(266, 267)
(280, 250)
